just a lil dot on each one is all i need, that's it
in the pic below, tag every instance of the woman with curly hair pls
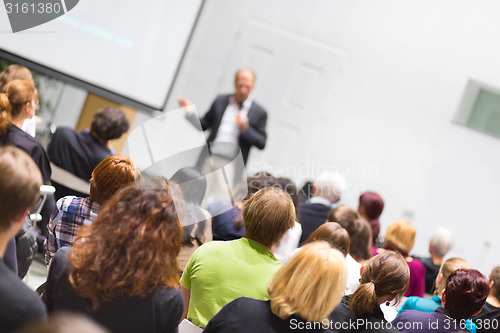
(123, 270)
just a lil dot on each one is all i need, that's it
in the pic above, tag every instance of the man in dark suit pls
(234, 118)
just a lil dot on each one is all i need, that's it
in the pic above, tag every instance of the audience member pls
(334, 234)
(219, 272)
(80, 152)
(227, 221)
(24, 243)
(122, 271)
(303, 292)
(65, 323)
(15, 72)
(327, 191)
(400, 236)
(20, 182)
(465, 294)
(440, 244)
(18, 103)
(429, 305)
(370, 208)
(488, 320)
(384, 278)
(305, 191)
(113, 173)
(359, 242)
(18, 72)
(196, 221)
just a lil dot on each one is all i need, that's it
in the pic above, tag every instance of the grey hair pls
(442, 241)
(330, 185)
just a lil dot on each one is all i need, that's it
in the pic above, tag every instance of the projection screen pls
(129, 51)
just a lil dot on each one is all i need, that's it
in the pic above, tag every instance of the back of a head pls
(386, 274)
(268, 214)
(441, 241)
(370, 207)
(287, 185)
(372, 203)
(330, 185)
(15, 72)
(111, 174)
(192, 183)
(495, 278)
(345, 216)
(451, 265)
(310, 284)
(109, 123)
(334, 234)
(466, 292)
(20, 182)
(359, 231)
(15, 95)
(400, 236)
(258, 181)
(140, 224)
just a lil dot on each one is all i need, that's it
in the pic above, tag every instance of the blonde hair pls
(310, 284)
(20, 182)
(16, 94)
(449, 266)
(386, 274)
(268, 214)
(400, 236)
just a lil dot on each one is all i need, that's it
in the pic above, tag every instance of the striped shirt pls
(70, 213)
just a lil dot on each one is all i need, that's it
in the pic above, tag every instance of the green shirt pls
(219, 272)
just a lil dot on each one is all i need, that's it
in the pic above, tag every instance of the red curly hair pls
(131, 248)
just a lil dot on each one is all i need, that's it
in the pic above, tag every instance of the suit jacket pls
(254, 135)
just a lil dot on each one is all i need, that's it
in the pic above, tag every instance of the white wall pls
(385, 119)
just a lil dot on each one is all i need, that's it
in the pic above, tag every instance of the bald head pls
(243, 84)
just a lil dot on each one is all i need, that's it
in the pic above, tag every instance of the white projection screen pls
(129, 51)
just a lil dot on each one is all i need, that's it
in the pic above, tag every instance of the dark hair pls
(358, 229)
(373, 205)
(131, 248)
(386, 274)
(109, 123)
(466, 292)
(111, 174)
(334, 234)
(287, 185)
(192, 185)
(495, 278)
(258, 181)
(254, 183)
(306, 190)
(268, 214)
